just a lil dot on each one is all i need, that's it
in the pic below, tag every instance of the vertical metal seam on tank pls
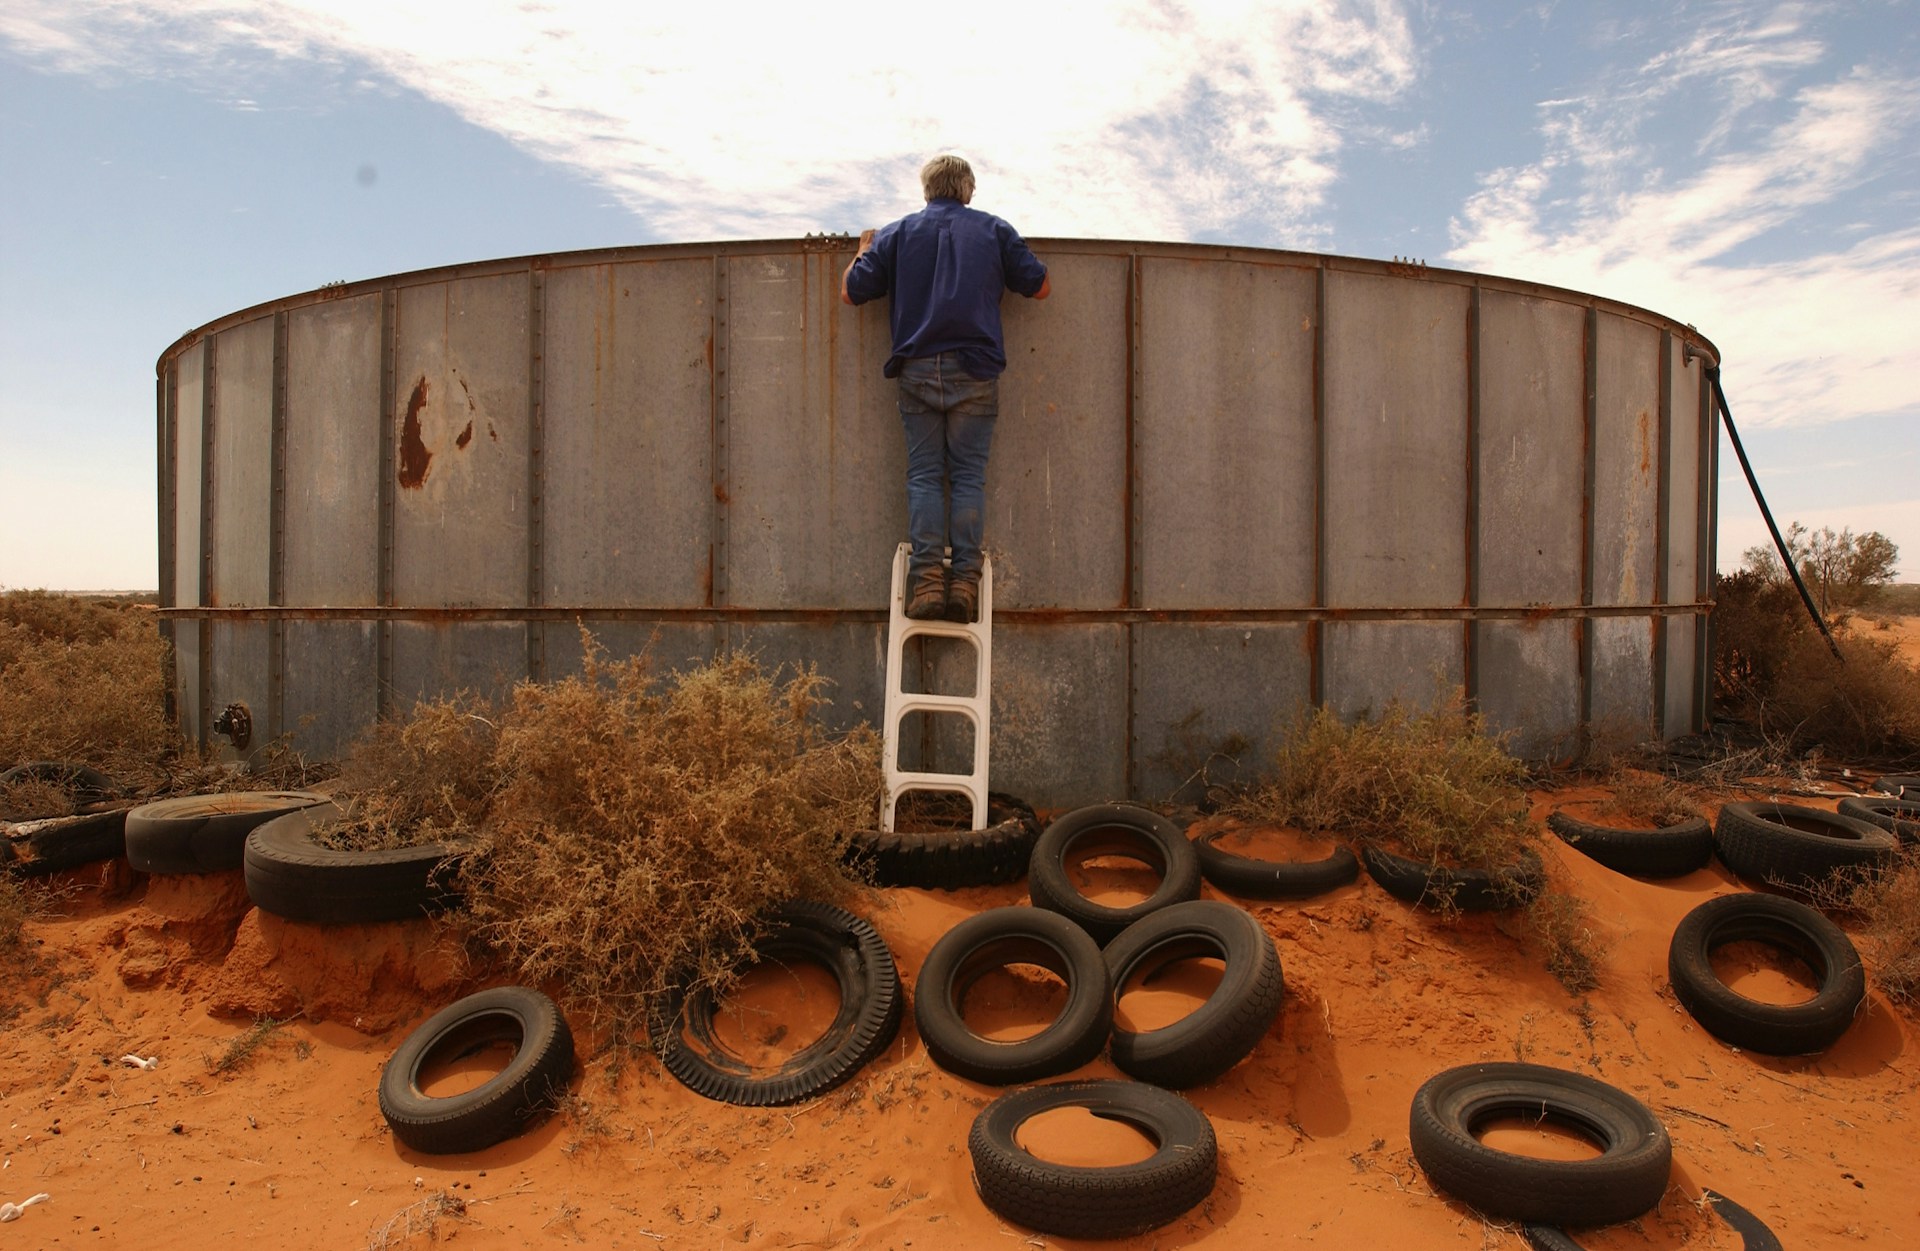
(1707, 431)
(203, 696)
(277, 530)
(1135, 522)
(536, 468)
(1590, 349)
(167, 409)
(1662, 532)
(384, 574)
(1471, 652)
(1316, 628)
(717, 590)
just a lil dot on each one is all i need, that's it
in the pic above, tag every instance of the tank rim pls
(1066, 245)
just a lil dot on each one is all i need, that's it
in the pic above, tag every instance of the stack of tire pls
(91, 828)
(1096, 950)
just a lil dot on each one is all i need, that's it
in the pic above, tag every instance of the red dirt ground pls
(290, 1148)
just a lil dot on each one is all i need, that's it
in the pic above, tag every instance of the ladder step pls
(977, 708)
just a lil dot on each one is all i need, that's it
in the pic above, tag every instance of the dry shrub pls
(15, 908)
(421, 1217)
(1437, 783)
(1870, 704)
(1644, 797)
(84, 680)
(1888, 905)
(1772, 669)
(429, 776)
(633, 831)
(1562, 925)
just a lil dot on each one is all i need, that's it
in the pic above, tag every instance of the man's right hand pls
(866, 242)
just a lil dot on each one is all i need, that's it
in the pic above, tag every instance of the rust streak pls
(465, 437)
(471, 406)
(414, 456)
(492, 433)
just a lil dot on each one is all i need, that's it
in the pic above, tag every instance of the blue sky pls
(1749, 168)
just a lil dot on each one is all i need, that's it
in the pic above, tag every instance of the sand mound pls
(285, 1142)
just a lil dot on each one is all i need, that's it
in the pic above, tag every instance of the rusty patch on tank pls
(1646, 443)
(492, 433)
(414, 456)
(466, 391)
(465, 437)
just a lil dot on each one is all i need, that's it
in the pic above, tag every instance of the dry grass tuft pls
(632, 831)
(1434, 782)
(15, 908)
(241, 1050)
(422, 1217)
(84, 680)
(1888, 904)
(1562, 925)
(1647, 798)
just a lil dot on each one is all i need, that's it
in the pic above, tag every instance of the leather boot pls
(963, 600)
(927, 599)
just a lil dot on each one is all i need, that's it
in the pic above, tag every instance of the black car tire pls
(1123, 829)
(1469, 890)
(1669, 851)
(1224, 1030)
(1093, 1202)
(504, 1106)
(204, 833)
(1785, 925)
(1899, 816)
(952, 859)
(1624, 1181)
(1899, 785)
(86, 785)
(995, 939)
(57, 844)
(1797, 847)
(1253, 878)
(291, 874)
(867, 1021)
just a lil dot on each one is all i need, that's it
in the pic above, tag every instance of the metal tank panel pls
(1227, 484)
(1224, 449)
(333, 431)
(242, 493)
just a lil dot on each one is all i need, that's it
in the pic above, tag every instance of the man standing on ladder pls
(945, 268)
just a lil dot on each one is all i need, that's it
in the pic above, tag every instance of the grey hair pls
(947, 176)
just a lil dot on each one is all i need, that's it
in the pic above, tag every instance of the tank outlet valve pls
(237, 724)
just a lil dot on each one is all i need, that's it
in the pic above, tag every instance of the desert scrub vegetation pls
(1772, 669)
(1887, 904)
(15, 908)
(84, 680)
(1438, 786)
(1435, 783)
(630, 830)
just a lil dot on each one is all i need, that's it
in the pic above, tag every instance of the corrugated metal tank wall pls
(1226, 482)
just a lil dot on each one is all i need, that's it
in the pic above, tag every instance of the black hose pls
(1786, 557)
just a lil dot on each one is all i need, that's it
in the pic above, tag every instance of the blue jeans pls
(948, 415)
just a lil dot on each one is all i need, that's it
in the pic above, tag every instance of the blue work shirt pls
(945, 267)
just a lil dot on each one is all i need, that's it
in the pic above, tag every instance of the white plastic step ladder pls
(974, 707)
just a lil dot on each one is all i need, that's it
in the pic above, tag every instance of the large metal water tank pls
(1226, 483)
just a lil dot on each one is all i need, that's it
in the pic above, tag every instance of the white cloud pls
(1823, 335)
(1139, 119)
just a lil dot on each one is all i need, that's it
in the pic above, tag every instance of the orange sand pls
(290, 1148)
